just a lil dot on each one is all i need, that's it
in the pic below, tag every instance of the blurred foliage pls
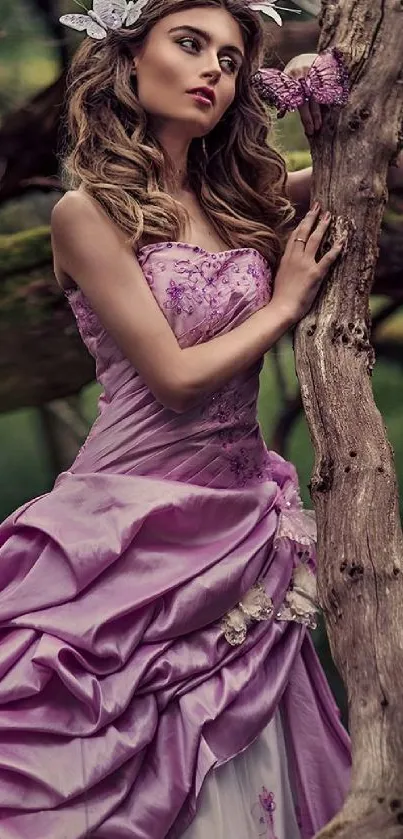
(297, 160)
(28, 212)
(23, 250)
(27, 54)
(290, 138)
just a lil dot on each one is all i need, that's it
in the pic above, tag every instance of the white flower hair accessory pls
(269, 8)
(105, 15)
(114, 14)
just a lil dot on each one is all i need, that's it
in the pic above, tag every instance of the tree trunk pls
(354, 484)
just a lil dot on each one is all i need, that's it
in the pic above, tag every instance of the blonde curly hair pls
(238, 178)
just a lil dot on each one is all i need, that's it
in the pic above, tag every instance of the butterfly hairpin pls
(114, 14)
(270, 9)
(105, 15)
(326, 82)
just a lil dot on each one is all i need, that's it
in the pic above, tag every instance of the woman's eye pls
(193, 45)
(189, 43)
(229, 63)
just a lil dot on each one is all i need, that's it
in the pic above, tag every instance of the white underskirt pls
(249, 797)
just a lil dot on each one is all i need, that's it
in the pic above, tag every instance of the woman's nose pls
(213, 69)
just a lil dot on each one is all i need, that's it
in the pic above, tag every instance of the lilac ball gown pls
(155, 606)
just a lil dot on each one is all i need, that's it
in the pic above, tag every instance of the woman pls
(158, 679)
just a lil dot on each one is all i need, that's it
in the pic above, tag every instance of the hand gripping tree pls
(354, 486)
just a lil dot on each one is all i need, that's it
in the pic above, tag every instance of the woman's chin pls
(199, 127)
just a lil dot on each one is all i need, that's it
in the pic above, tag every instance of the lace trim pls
(301, 601)
(87, 321)
(295, 523)
(255, 606)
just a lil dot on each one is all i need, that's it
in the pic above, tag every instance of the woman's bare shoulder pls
(82, 231)
(79, 221)
(77, 207)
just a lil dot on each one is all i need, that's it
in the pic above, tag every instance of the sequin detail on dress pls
(87, 321)
(227, 405)
(255, 606)
(247, 466)
(208, 284)
(263, 814)
(248, 461)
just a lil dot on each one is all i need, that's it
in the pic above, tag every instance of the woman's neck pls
(176, 147)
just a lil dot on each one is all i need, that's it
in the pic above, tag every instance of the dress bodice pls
(202, 295)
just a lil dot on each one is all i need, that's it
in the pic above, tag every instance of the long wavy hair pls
(238, 178)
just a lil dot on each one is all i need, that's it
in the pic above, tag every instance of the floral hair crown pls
(115, 14)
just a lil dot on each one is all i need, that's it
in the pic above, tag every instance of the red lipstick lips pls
(205, 94)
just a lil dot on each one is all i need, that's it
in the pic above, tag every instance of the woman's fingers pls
(316, 114)
(306, 119)
(317, 235)
(304, 230)
(309, 236)
(330, 257)
(311, 116)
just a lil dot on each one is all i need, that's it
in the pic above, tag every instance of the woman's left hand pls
(310, 112)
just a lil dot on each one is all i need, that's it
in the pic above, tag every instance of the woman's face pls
(186, 71)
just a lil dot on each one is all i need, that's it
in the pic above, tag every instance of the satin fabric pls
(118, 689)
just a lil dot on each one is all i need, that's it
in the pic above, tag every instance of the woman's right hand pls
(300, 275)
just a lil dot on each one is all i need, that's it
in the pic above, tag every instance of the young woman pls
(157, 676)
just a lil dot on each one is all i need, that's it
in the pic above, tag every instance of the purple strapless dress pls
(149, 629)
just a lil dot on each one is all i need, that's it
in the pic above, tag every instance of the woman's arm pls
(298, 189)
(89, 249)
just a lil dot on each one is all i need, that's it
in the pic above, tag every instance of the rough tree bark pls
(354, 485)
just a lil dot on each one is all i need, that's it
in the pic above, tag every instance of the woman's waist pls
(227, 453)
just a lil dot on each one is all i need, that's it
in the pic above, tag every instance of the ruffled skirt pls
(135, 664)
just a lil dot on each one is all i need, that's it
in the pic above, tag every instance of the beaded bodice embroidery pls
(200, 292)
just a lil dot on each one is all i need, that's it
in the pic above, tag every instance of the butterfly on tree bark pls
(326, 81)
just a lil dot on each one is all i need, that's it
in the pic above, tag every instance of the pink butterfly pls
(326, 81)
